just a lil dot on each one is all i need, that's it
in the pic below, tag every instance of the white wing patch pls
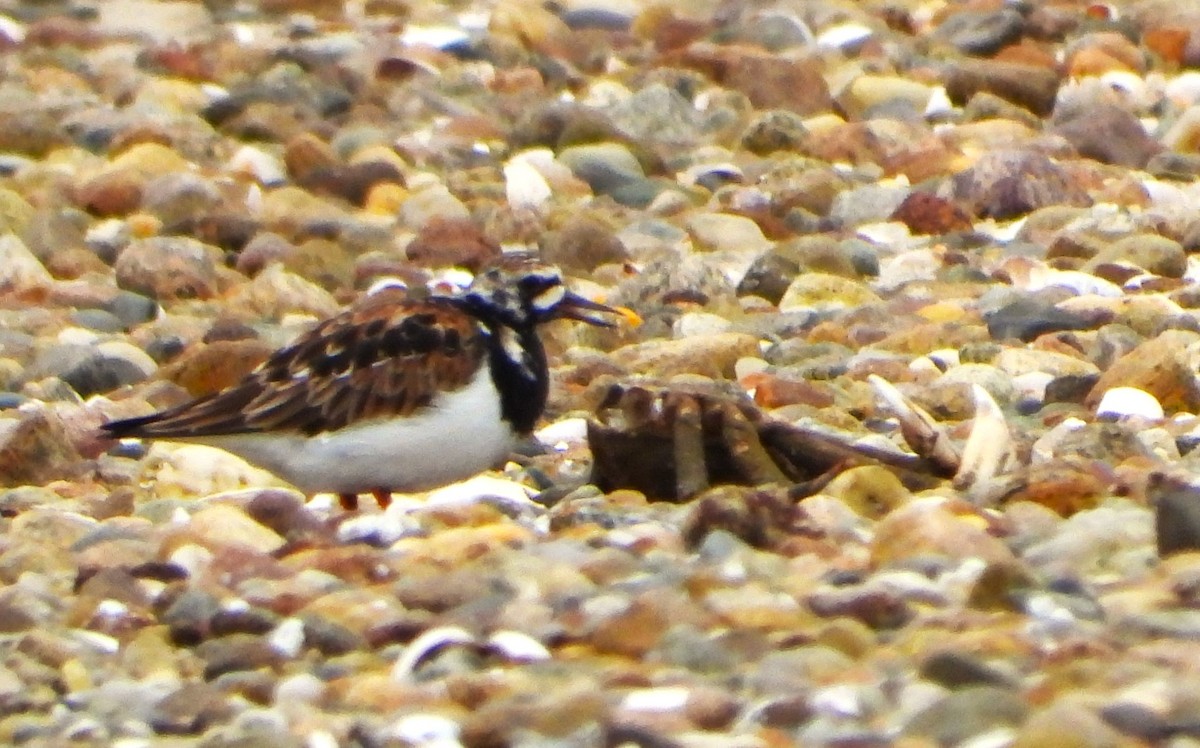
(513, 349)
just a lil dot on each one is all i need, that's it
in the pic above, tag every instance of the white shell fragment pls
(917, 427)
(425, 645)
(988, 454)
(512, 646)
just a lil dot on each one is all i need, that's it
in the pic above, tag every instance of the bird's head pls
(521, 290)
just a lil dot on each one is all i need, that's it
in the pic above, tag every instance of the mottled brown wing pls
(385, 357)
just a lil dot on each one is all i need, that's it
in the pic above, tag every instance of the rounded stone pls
(823, 291)
(169, 268)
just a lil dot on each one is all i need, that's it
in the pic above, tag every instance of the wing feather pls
(389, 356)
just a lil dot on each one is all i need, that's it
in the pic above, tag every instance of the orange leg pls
(383, 497)
(349, 501)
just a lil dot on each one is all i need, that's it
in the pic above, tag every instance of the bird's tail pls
(129, 427)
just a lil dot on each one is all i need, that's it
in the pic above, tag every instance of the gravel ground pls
(988, 205)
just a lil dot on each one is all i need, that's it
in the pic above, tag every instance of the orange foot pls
(349, 501)
(383, 497)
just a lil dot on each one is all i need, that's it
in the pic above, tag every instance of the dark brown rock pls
(770, 81)
(452, 242)
(1176, 505)
(305, 154)
(285, 513)
(214, 366)
(1030, 86)
(877, 608)
(113, 193)
(169, 268)
(31, 131)
(266, 247)
(633, 631)
(190, 710)
(1107, 133)
(236, 652)
(583, 244)
(1006, 184)
(37, 448)
(351, 182)
(924, 213)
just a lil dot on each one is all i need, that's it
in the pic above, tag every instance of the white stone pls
(20, 270)
(434, 201)
(518, 646)
(320, 739)
(481, 487)
(77, 336)
(749, 366)
(1183, 89)
(913, 265)
(700, 323)
(164, 21)
(378, 527)
(662, 699)
(426, 731)
(264, 167)
(287, 638)
(939, 103)
(563, 433)
(885, 232)
(438, 37)
(192, 558)
(111, 609)
(1079, 282)
(1129, 401)
(722, 231)
(1033, 384)
(97, 641)
(1159, 442)
(524, 185)
(838, 701)
(11, 29)
(844, 35)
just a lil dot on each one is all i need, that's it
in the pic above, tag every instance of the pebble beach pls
(990, 206)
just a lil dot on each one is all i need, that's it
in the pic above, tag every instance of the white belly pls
(459, 435)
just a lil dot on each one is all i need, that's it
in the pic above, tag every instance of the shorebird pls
(394, 393)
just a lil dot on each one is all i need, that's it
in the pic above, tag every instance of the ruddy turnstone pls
(393, 394)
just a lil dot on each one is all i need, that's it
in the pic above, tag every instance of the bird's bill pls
(576, 307)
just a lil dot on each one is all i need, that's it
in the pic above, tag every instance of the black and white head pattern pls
(519, 293)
